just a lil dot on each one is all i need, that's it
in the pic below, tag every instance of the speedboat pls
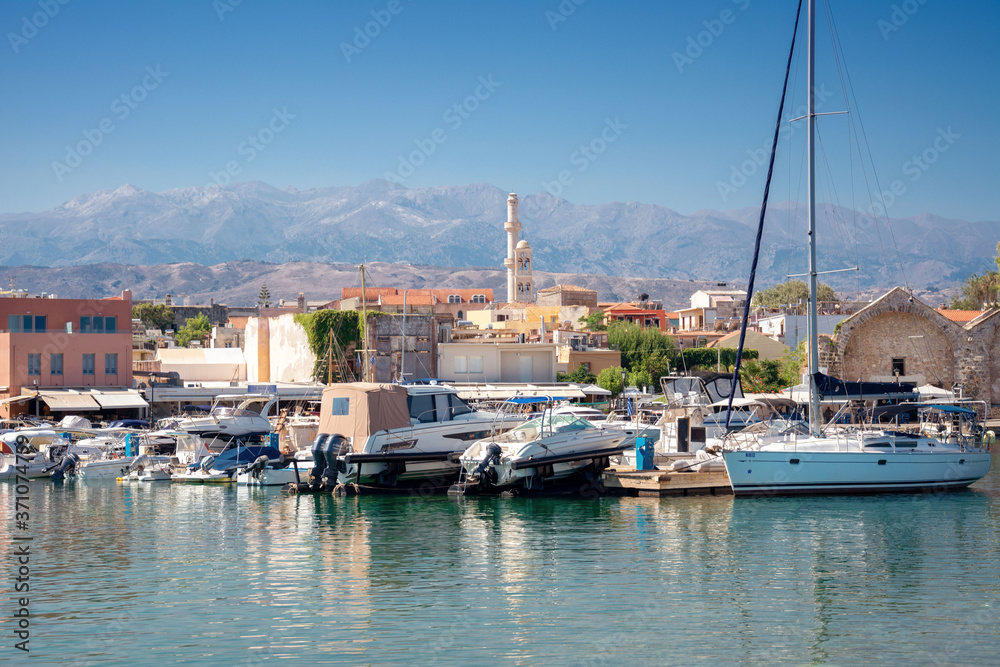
(394, 435)
(226, 456)
(542, 450)
(235, 421)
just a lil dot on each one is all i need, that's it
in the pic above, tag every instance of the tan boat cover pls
(359, 409)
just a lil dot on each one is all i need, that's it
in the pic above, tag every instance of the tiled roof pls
(960, 315)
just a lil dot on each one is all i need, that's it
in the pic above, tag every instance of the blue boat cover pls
(833, 388)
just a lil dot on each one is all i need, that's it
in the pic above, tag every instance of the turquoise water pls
(156, 573)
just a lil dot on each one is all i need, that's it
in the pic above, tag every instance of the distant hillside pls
(238, 283)
(462, 226)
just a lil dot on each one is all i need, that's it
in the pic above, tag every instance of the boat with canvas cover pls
(395, 435)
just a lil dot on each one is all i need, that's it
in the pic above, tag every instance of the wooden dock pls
(658, 483)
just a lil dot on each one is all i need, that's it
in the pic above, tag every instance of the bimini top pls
(529, 400)
(358, 409)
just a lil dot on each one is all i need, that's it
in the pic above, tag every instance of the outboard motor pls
(256, 469)
(331, 449)
(138, 464)
(482, 472)
(319, 460)
(66, 467)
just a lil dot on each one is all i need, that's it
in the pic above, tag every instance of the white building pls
(791, 329)
(497, 362)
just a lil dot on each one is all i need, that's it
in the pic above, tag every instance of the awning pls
(17, 399)
(124, 398)
(66, 399)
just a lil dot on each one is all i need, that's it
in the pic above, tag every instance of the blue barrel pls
(644, 453)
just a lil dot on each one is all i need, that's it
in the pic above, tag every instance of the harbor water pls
(159, 573)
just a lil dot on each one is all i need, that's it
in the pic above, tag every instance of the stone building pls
(900, 336)
(567, 295)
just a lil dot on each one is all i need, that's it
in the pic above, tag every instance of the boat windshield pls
(233, 412)
(555, 423)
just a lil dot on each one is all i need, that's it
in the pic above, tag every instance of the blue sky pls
(172, 94)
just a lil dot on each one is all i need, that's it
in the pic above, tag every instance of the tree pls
(611, 379)
(978, 291)
(159, 316)
(264, 298)
(581, 376)
(594, 321)
(791, 292)
(636, 343)
(195, 328)
(639, 378)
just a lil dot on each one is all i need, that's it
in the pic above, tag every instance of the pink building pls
(76, 353)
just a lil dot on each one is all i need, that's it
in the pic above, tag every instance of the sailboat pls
(866, 460)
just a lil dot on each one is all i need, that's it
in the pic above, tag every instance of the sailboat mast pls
(814, 424)
(365, 363)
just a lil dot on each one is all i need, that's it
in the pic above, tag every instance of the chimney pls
(127, 295)
(302, 302)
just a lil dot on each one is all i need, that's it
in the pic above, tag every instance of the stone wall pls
(944, 352)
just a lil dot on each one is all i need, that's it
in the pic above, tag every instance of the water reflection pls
(193, 573)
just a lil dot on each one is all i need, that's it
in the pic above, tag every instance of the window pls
(476, 364)
(110, 324)
(88, 363)
(13, 323)
(478, 298)
(34, 364)
(85, 325)
(111, 364)
(341, 407)
(56, 364)
(421, 407)
(98, 324)
(898, 367)
(454, 298)
(461, 364)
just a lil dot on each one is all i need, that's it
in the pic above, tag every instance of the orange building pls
(66, 355)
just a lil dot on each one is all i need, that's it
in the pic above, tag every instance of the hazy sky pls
(668, 100)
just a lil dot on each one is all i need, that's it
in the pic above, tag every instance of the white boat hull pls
(272, 477)
(104, 468)
(802, 472)
(32, 470)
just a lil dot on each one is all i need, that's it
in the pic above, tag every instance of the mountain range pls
(461, 227)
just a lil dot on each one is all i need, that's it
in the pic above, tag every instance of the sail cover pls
(831, 388)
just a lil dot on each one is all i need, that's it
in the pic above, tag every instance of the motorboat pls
(261, 473)
(542, 450)
(148, 468)
(226, 456)
(396, 435)
(235, 421)
(832, 458)
(32, 463)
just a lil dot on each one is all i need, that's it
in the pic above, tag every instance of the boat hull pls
(769, 473)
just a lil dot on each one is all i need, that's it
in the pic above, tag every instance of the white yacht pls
(237, 421)
(389, 435)
(547, 448)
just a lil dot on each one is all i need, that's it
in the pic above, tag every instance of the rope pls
(760, 224)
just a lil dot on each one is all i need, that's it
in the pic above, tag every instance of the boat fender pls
(207, 463)
(989, 438)
(66, 467)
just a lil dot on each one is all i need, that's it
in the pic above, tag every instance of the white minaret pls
(512, 227)
(522, 273)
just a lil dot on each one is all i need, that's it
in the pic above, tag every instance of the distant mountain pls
(462, 226)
